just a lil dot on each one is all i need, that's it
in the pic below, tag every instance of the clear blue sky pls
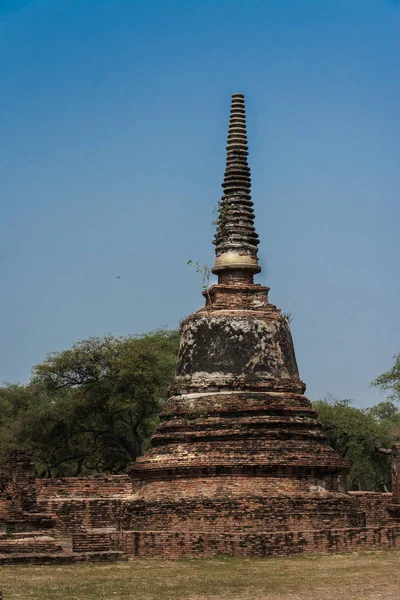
(113, 121)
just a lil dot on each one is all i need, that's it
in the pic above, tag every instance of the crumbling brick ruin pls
(239, 464)
(33, 529)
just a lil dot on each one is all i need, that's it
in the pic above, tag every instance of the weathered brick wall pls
(18, 486)
(83, 501)
(247, 514)
(76, 512)
(99, 487)
(232, 486)
(27, 544)
(99, 540)
(147, 544)
(375, 506)
(107, 501)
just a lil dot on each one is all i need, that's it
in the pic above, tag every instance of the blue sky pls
(113, 120)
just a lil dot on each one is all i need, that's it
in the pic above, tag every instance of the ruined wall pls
(286, 513)
(375, 506)
(108, 501)
(95, 502)
(99, 487)
(167, 545)
(83, 501)
(18, 494)
(146, 544)
(77, 512)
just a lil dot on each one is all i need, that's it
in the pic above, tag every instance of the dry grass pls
(364, 576)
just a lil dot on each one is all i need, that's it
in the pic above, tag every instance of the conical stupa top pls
(236, 239)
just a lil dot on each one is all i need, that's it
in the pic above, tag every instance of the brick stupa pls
(239, 447)
(239, 464)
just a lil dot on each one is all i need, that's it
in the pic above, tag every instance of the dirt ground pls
(361, 576)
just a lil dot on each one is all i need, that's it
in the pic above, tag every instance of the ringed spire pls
(236, 239)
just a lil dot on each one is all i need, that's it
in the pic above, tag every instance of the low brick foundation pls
(112, 517)
(24, 543)
(178, 545)
(280, 513)
(98, 540)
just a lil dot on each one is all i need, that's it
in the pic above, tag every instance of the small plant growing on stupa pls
(205, 272)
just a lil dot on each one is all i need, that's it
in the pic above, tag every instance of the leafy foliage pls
(91, 408)
(390, 380)
(360, 435)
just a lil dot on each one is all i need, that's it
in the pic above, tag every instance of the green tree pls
(360, 435)
(91, 408)
(13, 400)
(390, 381)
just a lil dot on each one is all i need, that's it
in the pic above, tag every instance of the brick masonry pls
(178, 545)
(83, 487)
(375, 506)
(112, 517)
(84, 501)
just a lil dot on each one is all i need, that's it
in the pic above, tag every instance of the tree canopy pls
(93, 407)
(360, 435)
(390, 381)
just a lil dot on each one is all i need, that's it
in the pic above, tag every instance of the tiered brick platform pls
(213, 535)
(30, 536)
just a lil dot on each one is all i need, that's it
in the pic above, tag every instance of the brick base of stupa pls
(239, 464)
(189, 545)
(237, 522)
(104, 519)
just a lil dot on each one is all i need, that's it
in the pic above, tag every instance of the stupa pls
(239, 464)
(239, 447)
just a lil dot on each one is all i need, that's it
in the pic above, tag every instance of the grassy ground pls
(364, 576)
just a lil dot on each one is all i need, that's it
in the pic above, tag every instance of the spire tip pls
(236, 239)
